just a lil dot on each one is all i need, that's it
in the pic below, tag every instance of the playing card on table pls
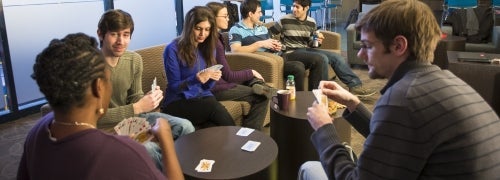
(245, 131)
(250, 146)
(135, 127)
(205, 165)
(153, 86)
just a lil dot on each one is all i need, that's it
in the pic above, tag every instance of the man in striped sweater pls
(297, 31)
(428, 124)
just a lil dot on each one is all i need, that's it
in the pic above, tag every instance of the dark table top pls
(298, 107)
(452, 58)
(224, 146)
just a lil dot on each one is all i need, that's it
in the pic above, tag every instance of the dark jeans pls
(296, 69)
(258, 104)
(337, 62)
(297, 63)
(202, 112)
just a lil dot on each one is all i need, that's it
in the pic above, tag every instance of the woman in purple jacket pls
(245, 85)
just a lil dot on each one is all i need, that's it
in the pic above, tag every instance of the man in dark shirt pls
(428, 124)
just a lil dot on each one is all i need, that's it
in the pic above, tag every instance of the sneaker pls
(360, 91)
(334, 77)
(265, 90)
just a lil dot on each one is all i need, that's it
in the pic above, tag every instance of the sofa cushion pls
(237, 109)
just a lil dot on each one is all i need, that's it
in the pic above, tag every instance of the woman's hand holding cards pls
(212, 72)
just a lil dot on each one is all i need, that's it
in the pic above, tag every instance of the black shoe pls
(333, 77)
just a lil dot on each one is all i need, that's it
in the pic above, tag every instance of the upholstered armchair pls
(492, 46)
(353, 46)
(271, 69)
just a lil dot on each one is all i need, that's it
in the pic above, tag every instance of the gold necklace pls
(75, 123)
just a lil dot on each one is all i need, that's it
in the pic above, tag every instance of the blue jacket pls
(182, 81)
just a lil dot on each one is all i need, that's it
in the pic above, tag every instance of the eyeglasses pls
(226, 16)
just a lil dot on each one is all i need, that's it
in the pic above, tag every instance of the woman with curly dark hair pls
(73, 76)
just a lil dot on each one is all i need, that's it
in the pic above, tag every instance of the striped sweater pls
(295, 33)
(428, 124)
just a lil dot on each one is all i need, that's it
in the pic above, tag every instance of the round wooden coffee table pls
(292, 132)
(224, 146)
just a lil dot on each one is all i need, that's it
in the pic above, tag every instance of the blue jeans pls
(179, 127)
(337, 62)
(312, 170)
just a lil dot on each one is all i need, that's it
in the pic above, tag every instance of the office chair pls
(318, 5)
(267, 5)
(329, 4)
(286, 6)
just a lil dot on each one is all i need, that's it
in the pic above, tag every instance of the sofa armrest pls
(270, 66)
(152, 62)
(331, 42)
(351, 35)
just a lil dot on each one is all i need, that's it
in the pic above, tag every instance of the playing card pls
(205, 165)
(245, 131)
(320, 97)
(153, 86)
(135, 127)
(250, 146)
(214, 67)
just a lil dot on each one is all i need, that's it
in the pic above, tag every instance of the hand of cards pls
(136, 128)
(320, 97)
(213, 68)
(153, 86)
(330, 104)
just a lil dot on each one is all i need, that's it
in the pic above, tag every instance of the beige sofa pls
(271, 69)
(353, 46)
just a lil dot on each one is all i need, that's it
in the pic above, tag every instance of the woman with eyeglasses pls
(245, 85)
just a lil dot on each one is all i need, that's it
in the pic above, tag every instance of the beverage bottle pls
(315, 42)
(290, 86)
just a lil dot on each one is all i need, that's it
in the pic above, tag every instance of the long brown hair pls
(186, 42)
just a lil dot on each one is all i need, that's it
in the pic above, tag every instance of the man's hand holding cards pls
(320, 97)
(153, 86)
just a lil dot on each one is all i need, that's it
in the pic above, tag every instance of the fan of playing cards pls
(214, 67)
(135, 127)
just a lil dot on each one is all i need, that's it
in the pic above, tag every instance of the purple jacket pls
(229, 78)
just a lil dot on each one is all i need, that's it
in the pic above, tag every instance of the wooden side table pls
(450, 43)
(483, 77)
(292, 132)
